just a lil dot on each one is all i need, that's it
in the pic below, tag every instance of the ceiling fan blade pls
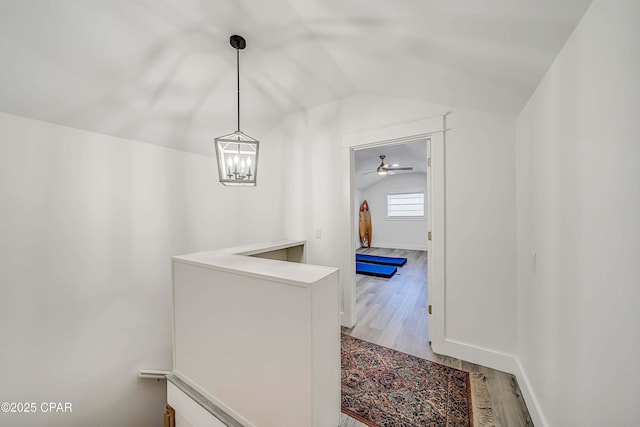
(401, 169)
(366, 172)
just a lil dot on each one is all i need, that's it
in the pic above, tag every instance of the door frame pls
(434, 130)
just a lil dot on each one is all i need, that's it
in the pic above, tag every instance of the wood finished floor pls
(393, 313)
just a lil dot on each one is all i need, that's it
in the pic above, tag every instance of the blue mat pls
(384, 260)
(385, 271)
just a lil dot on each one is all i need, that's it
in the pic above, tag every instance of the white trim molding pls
(400, 246)
(431, 128)
(499, 361)
(530, 398)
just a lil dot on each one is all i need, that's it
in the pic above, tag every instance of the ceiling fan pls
(386, 169)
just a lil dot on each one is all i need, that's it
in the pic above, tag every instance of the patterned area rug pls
(382, 387)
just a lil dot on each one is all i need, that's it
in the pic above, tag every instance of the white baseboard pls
(475, 354)
(500, 361)
(344, 322)
(533, 405)
(399, 246)
(495, 360)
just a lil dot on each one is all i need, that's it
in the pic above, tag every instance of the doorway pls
(393, 312)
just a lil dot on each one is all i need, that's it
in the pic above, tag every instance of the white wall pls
(578, 203)
(88, 224)
(480, 259)
(394, 233)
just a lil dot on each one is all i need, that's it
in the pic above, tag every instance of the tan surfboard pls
(365, 224)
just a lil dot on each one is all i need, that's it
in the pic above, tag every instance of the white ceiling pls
(162, 71)
(366, 161)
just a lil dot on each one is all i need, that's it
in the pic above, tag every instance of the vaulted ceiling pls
(162, 71)
(409, 154)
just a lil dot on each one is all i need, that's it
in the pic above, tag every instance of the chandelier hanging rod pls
(238, 77)
(239, 43)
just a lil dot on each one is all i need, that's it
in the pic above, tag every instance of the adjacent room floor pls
(393, 313)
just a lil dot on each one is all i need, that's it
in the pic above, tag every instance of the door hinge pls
(429, 161)
(429, 235)
(429, 308)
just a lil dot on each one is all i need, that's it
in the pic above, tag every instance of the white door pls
(436, 245)
(429, 212)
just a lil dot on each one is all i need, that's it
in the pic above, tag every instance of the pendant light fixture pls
(237, 153)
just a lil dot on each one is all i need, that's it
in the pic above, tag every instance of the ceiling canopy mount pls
(237, 42)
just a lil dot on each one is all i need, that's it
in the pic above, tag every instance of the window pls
(405, 205)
